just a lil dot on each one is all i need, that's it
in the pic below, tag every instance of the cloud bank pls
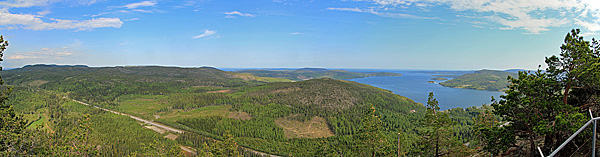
(534, 16)
(35, 22)
(40, 22)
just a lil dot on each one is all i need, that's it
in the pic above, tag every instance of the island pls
(439, 78)
(491, 80)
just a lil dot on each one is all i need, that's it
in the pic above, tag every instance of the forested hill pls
(100, 84)
(492, 80)
(313, 73)
(284, 118)
(37, 75)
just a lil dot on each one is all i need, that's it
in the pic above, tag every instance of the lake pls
(414, 85)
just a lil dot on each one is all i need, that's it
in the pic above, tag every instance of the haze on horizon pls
(361, 34)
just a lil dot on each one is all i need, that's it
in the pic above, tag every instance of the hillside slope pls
(313, 73)
(285, 118)
(103, 84)
(491, 80)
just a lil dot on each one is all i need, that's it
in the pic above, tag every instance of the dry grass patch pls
(221, 91)
(173, 115)
(239, 115)
(171, 136)
(154, 128)
(314, 128)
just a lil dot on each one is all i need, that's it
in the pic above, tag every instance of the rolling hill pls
(284, 118)
(313, 73)
(491, 80)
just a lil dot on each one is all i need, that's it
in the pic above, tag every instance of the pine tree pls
(12, 125)
(437, 138)
(541, 109)
(372, 138)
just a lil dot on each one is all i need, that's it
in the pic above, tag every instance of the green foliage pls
(436, 136)
(543, 109)
(372, 140)
(12, 126)
(491, 80)
(531, 109)
(578, 70)
(103, 86)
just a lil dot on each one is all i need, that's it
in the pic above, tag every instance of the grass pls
(221, 111)
(147, 107)
(38, 122)
(144, 106)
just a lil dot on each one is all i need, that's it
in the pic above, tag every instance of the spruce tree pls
(437, 140)
(11, 125)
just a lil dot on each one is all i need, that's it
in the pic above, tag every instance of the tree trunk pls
(437, 147)
(532, 144)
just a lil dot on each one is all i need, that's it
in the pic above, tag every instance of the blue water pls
(414, 85)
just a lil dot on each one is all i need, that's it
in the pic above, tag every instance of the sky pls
(357, 34)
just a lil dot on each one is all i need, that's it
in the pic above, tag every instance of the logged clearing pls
(171, 136)
(239, 115)
(314, 128)
(220, 111)
(159, 130)
(141, 106)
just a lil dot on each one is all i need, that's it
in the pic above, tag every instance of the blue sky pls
(381, 34)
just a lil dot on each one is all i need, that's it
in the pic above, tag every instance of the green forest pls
(313, 73)
(492, 80)
(241, 114)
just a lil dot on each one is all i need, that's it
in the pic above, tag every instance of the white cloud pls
(132, 19)
(382, 14)
(142, 10)
(205, 34)
(43, 13)
(32, 3)
(233, 13)
(534, 16)
(34, 22)
(346, 9)
(24, 3)
(296, 33)
(590, 26)
(140, 4)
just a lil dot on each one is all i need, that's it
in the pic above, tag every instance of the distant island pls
(491, 80)
(439, 78)
(313, 73)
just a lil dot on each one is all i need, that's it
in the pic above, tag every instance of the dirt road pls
(165, 128)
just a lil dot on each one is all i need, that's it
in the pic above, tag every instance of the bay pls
(414, 85)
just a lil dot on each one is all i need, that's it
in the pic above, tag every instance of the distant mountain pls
(515, 70)
(313, 69)
(313, 73)
(524, 70)
(492, 80)
(89, 82)
(54, 65)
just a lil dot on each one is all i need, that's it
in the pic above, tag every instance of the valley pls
(268, 117)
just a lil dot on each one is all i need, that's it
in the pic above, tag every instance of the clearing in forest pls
(314, 128)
